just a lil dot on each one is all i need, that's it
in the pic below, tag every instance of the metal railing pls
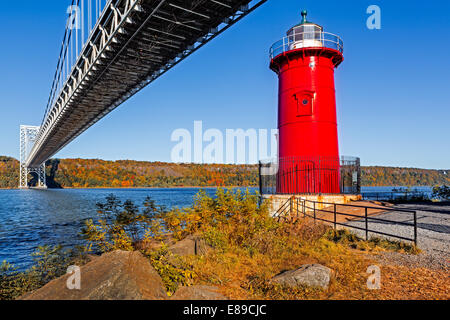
(283, 210)
(307, 175)
(305, 40)
(311, 209)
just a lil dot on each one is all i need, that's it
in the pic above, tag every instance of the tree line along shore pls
(95, 173)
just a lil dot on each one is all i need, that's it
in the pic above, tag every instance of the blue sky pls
(393, 89)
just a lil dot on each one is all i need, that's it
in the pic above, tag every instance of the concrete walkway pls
(433, 227)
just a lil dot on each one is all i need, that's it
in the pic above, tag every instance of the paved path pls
(433, 228)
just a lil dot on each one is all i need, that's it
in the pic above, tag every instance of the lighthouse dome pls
(305, 35)
(308, 37)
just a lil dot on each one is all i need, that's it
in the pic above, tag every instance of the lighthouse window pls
(305, 102)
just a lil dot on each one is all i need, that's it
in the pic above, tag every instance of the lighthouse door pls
(304, 101)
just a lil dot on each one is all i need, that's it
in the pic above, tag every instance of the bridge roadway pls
(133, 43)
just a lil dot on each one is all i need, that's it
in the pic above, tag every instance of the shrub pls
(48, 263)
(121, 225)
(441, 193)
(216, 238)
(348, 238)
(173, 270)
(13, 283)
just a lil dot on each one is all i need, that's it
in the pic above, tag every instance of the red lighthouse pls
(308, 141)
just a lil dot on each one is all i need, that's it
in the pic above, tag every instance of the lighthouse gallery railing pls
(310, 39)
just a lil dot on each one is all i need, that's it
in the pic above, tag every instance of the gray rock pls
(117, 275)
(312, 275)
(151, 245)
(191, 245)
(198, 293)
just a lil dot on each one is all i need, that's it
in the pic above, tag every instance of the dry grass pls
(399, 282)
(244, 275)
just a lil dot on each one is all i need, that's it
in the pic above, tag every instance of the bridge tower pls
(304, 61)
(28, 136)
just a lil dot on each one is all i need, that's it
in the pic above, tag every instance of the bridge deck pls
(133, 43)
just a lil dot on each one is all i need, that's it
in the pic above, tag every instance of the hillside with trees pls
(125, 174)
(94, 173)
(9, 172)
(392, 176)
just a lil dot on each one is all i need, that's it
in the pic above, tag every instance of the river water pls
(29, 218)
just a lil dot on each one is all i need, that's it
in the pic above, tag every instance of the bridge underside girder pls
(133, 44)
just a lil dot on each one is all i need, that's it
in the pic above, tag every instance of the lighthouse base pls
(278, 201)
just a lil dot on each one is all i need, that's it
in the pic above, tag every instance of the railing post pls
(415, 227)
(314, 211)
(291, 207)
(260, 179)
(304, 208)
(367, 224)
(335, 216)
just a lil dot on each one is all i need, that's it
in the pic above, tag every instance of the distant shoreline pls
(95, 173)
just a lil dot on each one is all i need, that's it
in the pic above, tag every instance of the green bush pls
(121, 224)
(173, 271)
(441, 193)
(343, 236)
(48, 263)
(215, 238)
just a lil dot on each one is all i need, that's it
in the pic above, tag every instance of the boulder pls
(117, 275)
(312, 275)
(152, 244)
(198, 293)
(191, 245)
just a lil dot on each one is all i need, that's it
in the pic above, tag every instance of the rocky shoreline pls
(128, 275)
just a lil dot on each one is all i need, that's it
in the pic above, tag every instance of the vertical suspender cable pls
(82, 22)
(71, 48)
(91, 13)
(77, 26)
(66, 60)
(89, 16)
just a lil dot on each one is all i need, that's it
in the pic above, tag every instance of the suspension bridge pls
(111, 50)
